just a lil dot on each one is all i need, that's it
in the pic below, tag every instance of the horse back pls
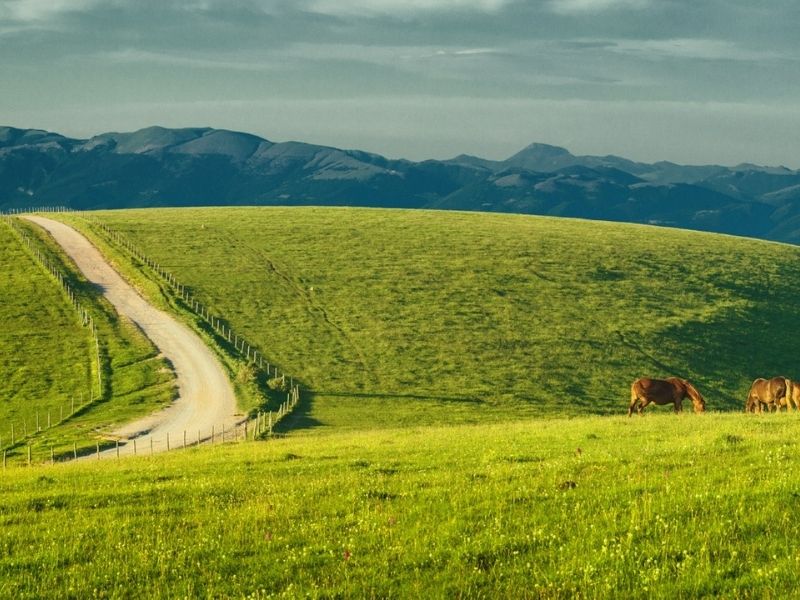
(659, 391)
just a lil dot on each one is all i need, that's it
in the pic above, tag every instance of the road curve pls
(206, 401)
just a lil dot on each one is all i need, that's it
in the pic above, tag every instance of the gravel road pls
(206, 400)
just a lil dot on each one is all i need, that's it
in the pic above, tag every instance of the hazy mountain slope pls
(201, 166)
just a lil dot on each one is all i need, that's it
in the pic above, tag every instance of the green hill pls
(436, 320)
(413, 316)
(45, 353)
(49, 360)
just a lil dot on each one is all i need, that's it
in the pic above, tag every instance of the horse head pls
(698, 402)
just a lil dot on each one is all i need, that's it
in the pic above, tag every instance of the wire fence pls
(23, 452)
(17, 430)
(260, 424)
(276, 377)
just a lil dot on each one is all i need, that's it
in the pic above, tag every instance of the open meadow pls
(591, 507)
(464, 433)
(385, 314)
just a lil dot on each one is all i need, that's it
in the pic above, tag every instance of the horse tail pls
(634, 396)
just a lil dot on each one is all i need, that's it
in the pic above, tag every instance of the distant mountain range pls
(203, 166)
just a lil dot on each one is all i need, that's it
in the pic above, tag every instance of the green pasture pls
(660, 506)
(45, 353)
(48, 359)
(397, 317)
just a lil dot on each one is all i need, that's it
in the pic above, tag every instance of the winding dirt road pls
(206, 401)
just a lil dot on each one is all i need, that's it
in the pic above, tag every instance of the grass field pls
(430, 460)
(465, 316)
(49, 360)
(45, 352)
(591, 507)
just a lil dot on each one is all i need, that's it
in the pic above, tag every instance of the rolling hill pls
(421, 464)
(384, 314)
(203, 166)
(49, 388)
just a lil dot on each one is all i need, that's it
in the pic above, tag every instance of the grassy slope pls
(51, 357)
(467, 316)
(660, 506)
(45, 354)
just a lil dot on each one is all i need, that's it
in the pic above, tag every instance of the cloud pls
(236, 63)
(371, 8)
(690, 48)
(32, 11)
(572, 7)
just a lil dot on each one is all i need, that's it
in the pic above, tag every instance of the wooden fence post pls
(75, 450)
(29, 455)
(98, 450)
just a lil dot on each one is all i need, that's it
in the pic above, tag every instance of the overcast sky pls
(692, 81)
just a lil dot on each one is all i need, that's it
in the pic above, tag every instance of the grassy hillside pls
(45, 353)
(465, 316)
(48, 360)
(659, 507)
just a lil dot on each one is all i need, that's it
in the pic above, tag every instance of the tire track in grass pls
(315, 308)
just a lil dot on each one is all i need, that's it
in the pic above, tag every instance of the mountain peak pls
(544, 150)
(541, 157)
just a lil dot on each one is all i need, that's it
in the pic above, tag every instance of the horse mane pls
(692, 392)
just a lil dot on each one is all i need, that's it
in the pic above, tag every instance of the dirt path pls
(206, 399)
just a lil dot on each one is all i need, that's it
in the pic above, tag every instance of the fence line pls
(245, 349)
(110, 448)
(262, 424)
(86, 320)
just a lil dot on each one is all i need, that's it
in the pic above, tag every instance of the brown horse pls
(664, 391)
(793, 393)
(772, 393)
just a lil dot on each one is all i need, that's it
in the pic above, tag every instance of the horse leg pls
(642, 403)
(634, 402)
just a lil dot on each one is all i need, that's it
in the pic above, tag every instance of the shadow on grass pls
(457, 399)
(300, 418)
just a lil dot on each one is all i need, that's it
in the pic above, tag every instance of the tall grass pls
(653, 507)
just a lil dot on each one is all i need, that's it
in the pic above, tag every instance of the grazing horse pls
(664, 391)
(793, 393)
(773, 393)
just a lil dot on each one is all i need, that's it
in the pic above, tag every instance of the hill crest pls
(159, 166)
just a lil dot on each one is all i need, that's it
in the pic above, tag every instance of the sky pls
(694, 82)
